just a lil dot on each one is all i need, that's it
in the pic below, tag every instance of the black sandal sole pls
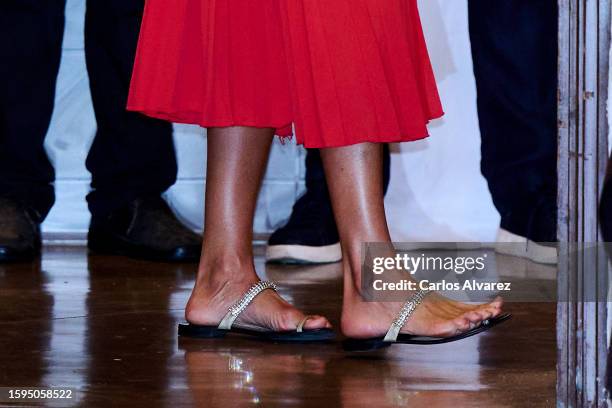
(213, 332)
(378, 343)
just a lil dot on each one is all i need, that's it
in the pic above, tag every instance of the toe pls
(495, 311)
(486, 312)
(497, 303)
(474, 317)
(317, 322)
(462, 324)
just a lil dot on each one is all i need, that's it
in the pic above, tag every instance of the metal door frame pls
(584, 49)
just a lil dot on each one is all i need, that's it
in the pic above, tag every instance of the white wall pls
(437, 192)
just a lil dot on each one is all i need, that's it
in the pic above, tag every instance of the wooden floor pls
(107, 326)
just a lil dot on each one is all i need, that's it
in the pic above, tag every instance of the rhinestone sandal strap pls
(239, 306)
(300, 326)
(407, 310)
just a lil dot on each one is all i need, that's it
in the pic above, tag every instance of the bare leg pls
(237, 159)
(354, 175)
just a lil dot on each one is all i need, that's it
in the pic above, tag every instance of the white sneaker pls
(511, 244)
(304, 254)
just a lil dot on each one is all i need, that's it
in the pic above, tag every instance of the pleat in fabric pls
(341, 71)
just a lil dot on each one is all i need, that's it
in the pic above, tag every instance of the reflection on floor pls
(107, 326)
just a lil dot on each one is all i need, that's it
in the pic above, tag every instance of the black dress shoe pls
(310, 236)
(19, 232)
(145, 229)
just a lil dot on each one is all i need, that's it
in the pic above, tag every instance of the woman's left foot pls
(436, 316)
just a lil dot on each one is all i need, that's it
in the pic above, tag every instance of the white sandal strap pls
(300, 326)
(238, 307)
(407, 310)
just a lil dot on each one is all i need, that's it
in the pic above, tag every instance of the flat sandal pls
(394, 336)
(228, 325)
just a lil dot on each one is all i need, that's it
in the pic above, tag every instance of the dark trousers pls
(514, 47)
(605, 219)
(131, 155)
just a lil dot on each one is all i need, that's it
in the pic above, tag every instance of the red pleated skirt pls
(339, 72)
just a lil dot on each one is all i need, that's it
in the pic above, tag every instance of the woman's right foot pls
(211, 299)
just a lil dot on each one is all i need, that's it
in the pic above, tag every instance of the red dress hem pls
(284, 131)
(339, 72)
